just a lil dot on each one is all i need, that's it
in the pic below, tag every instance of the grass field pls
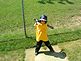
(15, 55)
(64, 16)
(72, 49)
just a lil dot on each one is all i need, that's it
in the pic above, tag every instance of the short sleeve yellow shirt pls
(41, 32)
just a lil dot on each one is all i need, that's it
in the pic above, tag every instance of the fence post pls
(23, 18)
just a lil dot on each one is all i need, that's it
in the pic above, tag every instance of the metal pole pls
(23, 18)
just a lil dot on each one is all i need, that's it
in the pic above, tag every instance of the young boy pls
(41, 33)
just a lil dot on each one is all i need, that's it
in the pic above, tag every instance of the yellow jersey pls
(41, 32)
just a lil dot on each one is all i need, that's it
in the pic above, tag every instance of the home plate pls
(46, 55)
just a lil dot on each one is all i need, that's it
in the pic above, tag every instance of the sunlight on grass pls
(63, 16)
(72, 49)
(17, 55)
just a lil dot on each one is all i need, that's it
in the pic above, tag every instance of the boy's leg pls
(38, 45)
(47, 43)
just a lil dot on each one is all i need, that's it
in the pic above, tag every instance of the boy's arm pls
(35, 24)
(50, 26)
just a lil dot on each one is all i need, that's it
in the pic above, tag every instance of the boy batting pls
(41, 34)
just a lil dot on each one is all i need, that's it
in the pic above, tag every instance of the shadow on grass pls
(52, 1)
(44, 2)
(16, 39)
(67, 1)
(15, 44)
(60, 55)
(65, 37)
(24, 43)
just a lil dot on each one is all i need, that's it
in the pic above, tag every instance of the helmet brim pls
(42, 19)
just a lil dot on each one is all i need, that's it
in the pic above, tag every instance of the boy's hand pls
(50, 26)
(35, 24)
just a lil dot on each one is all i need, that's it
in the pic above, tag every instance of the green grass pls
(62, 16)
(65, 37)
(72, 50)
(58, 15)
(13, 44)
(15, 55)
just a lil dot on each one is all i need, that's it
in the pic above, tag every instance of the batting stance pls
(41, 33)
